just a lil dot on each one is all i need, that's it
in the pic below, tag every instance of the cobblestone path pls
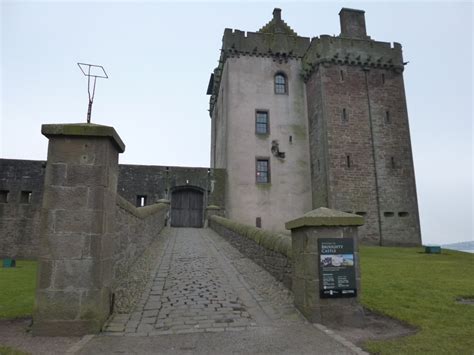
(195, 289)
(205, 297)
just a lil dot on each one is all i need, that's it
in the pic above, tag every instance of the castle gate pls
(187, 207)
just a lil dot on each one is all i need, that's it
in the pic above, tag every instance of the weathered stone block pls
(86, 175)
(78, 221)
(65, 198)
(52, 305)
(77, 274)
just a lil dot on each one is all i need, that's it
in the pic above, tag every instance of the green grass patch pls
(17, 289)
(6, 350)
(421, 289)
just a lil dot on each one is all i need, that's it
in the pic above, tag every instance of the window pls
(25, 197)
(258, 222)
(263, 171)
(388, 214)
(3, 196)
(392, 162)
(348, 161)
(344, 115)
(383, 78)
(141, 200)
(342, 75)
(261, 122)
(280, 84)
(403, 214)
(387, 116)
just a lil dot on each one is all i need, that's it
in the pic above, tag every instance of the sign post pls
(326, 273)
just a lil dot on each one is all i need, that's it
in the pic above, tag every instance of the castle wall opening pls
(187, 207)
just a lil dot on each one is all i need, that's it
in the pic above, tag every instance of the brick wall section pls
(19, 219)
(384, 192)
(397, 188)
(269, 250)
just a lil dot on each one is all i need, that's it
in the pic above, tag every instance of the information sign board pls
(337, 268)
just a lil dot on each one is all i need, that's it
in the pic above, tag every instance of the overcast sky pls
(159, 57)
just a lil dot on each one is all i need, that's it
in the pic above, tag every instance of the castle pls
(296, 124)
(299, 124)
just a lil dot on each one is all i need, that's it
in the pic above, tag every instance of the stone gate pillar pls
(326, 272)
(76, 236)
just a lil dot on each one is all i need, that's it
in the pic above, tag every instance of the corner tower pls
(260, 126)
(361, 158)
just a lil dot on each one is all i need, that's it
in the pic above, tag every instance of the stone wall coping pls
(85, 130)
(325, 217)
(163, 200)
(213, 207)
(140, 212)
(279, 243)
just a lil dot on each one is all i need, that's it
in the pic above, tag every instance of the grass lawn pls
(403, 283)
(17, 289)
(421, 289)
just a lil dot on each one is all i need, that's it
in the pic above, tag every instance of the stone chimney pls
(352, 23)
(277, 14)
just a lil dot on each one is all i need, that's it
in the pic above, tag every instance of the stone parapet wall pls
(270, 250)
(21, 190)
(137, 229)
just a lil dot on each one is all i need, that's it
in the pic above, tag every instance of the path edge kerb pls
(340, 339)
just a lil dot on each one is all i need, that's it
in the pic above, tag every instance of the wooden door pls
(187, 208)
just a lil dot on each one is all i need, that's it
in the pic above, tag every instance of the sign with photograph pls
(337, 268)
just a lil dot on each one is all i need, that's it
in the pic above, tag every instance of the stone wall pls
(136, 230)
(269, 250)
(19, 218)
(21, 194)
(157, 182)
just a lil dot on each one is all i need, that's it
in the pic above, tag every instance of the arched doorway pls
(187, 207)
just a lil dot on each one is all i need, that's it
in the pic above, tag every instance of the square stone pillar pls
(321, 290)
(76, 236)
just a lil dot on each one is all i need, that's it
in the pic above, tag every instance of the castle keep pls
(297, 124)
(300, 124)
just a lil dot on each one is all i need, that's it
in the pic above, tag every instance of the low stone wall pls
(136, 243)
(269, 250)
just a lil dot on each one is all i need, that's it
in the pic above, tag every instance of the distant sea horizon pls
(467, 247)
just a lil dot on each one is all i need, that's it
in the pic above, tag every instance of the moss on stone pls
(273, 241)
(83, 129)
(141, 212)
(325, 217)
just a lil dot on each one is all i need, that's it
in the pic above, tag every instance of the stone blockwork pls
(19, 221)
(269, 250)
(136, 232)
(21, 193)
(75, 261)
(361, 159)
(158, 182)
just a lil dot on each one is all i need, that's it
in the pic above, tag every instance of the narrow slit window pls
(388, 214)
(261, 122)
(392, 162)
(342, 75)
(387, 116)
(291, 139)
(280, 84)
(403, 214)
(25, 197)
(263, 171)
(4, 196)
(348, 161)
(383, 78)
(141, 200)
(258, 222)
(344, 115)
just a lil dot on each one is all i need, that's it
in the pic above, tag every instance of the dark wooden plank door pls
(187, 208)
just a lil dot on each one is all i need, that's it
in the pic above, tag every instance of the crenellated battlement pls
(327, 50)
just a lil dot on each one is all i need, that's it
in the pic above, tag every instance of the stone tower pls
(301, 124)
